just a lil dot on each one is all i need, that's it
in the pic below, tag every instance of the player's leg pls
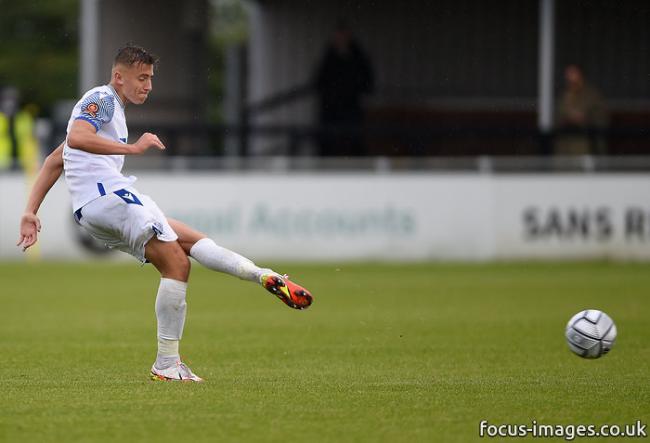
(131, 222)
(174, 267)
(205, 251)
(187, 236)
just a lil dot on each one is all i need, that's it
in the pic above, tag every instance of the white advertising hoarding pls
(384, 217)
(566, 216)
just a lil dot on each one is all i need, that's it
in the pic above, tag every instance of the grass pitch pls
(386, 353)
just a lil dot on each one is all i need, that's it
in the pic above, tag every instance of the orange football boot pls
(291, 294)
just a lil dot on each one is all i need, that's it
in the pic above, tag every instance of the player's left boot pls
(290, 293)
(178, 372)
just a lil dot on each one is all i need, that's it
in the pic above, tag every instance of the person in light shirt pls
(107, 205)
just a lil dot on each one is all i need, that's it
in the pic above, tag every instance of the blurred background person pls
(18, 146)
(343, 76)
(582, 113)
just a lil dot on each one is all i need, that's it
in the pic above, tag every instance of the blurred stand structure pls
(456, 82)
(177, 33)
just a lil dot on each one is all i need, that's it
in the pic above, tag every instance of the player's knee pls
(183, 266)
(177, 264)
(170, 260)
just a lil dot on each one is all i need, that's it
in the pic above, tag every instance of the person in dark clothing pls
(343, 75)
(581, 108)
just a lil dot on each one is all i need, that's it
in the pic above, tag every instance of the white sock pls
(170, 312)
(213, 256)
(167, 353)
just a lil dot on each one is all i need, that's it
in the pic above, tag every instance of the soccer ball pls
(590, 333)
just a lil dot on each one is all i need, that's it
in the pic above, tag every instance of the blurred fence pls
(386, 165)
(389, 140)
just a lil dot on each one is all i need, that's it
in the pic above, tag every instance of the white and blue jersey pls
(87, 175)
(103, 200)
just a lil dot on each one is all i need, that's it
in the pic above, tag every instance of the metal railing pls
(395, 165)
(423, 140)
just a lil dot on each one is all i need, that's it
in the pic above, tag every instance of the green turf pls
(387, 353)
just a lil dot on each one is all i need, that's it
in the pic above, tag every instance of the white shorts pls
(125, 220)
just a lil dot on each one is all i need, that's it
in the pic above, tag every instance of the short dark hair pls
(132, 54)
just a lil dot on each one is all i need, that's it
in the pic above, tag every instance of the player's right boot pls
(177, 372)
(290, 293)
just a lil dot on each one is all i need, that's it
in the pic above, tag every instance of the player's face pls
(136, 83)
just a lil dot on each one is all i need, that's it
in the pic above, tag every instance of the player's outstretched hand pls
(30, 226)
(146, 141)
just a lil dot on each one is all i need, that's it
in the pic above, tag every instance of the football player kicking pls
(106, 204)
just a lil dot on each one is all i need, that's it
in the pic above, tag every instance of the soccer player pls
(106, 204)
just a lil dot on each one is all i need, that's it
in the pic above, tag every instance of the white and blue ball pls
(590, 333)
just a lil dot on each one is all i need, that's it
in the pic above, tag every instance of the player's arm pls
(30, 225)
(83, 136)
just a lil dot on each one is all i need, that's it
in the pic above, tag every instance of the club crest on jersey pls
(92, 109)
